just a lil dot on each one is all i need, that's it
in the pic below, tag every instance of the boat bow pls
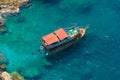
(83, 31)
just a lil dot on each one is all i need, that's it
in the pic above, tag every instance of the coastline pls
(11, 6)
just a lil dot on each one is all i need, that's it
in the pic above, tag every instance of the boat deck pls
(72, 32)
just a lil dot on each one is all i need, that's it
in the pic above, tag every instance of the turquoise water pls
(95, 57)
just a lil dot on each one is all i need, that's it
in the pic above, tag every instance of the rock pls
(3, 59)
(1, 78)
(8, 7)
(3, 27)
(6, 76)
(11, 6)
(2, 67)
(16, 76)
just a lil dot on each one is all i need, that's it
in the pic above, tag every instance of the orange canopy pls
(50, 39)
(61, 34)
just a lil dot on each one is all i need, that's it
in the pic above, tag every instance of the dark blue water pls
(95, 57)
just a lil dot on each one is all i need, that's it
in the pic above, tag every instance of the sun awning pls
(50, 39)
(61, 34)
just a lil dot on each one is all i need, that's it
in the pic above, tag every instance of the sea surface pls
(94, 57)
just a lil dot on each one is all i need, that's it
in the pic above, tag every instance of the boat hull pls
(63, 46)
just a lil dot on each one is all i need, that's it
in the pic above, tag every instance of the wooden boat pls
(61, 39)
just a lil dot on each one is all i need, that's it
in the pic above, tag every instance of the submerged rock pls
(3, 27)
(80, 6)
(51, 2)
(3, 62)
(3, 59)
(31, 72)
(3, 67)
(16, 76)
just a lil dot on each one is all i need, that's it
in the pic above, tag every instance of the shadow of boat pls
(70, 51)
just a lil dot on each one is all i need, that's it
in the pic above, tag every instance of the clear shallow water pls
(95, 57)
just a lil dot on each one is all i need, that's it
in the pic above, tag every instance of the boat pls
(61, 39)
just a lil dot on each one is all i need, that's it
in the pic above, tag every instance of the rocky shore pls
(7, 7)
(4, 75)
(11, 6)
